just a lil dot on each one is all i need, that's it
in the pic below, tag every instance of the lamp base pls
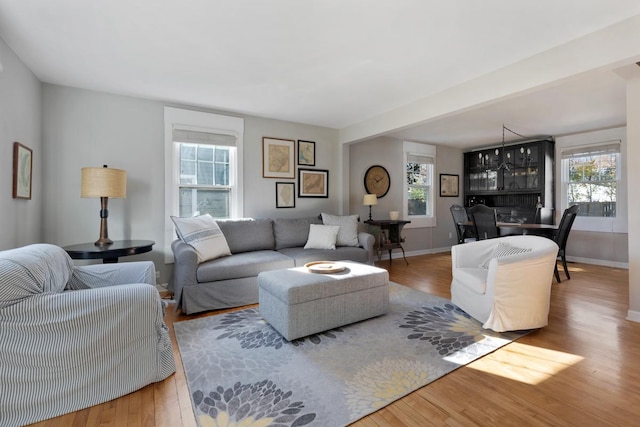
(370, 213)
(104, 233)
(103, 242)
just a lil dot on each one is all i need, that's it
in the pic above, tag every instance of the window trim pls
(178, 118)
(589, 142)
(422, 150)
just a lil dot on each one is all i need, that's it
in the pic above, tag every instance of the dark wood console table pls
(388, 237)
(109, 253)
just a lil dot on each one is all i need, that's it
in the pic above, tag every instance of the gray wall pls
(259, 196)
(20, 120)
(388, 152)
(86, 128)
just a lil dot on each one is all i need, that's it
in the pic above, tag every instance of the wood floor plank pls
(147, 406)
(121, 416)
(582, 369)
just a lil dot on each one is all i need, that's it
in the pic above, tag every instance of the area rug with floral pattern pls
(241, 372)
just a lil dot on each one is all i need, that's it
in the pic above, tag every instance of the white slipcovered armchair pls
(501, 288)
(73, 337)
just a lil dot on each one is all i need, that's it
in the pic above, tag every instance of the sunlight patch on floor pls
(525, 363)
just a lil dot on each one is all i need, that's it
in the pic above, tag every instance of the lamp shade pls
(103, 182)
(370, 199)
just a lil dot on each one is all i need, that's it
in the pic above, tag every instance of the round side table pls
(109, 253)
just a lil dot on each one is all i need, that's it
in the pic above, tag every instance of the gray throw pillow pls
(348, 234)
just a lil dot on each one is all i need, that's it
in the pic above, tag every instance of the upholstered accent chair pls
(73, 337)
(505, 283)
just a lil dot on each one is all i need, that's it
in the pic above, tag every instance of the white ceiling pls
(333, 63)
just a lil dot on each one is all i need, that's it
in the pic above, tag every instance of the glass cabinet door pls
(492, 180)
(523, 173)
(533, 167)
(477, 172)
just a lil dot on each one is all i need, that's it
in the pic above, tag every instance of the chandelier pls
(506, 157)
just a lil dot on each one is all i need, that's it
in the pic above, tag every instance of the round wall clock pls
(377, 181)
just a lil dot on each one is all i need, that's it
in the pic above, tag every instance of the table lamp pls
(370, 200)
(103, 182)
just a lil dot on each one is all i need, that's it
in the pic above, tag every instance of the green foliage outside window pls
(593, 184)
(418, 180)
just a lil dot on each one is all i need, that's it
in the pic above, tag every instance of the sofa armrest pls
(184, 268)
(102, 275)
(367, 242)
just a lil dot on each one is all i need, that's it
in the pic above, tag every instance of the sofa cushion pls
(31, 270)
(202, 232)
(322, 236)
(348, 234)
(245, 264)
(302, 256)
(292, 232)
(248, 234)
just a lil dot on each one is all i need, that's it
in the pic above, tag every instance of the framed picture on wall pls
(306, 153)
(313, 183)
(449, 185)
(22, 163)
(278, 157)
(285, 194)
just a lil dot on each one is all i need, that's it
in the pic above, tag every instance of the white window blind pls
(612, 147)
(415, 158)
(200, 137)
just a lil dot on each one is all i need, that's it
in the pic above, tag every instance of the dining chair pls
(485, 222)
(562, 236)
(465, 233)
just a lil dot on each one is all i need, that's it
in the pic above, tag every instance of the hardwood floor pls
(581, 370)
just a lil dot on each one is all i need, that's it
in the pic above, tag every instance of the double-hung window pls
(206, 168)
(419, 198)
(591, 176)
(203, 167)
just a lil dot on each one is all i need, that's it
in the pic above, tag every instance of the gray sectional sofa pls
(256, 245)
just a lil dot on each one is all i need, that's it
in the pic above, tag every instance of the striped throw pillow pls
(203, 233)
(503, 250)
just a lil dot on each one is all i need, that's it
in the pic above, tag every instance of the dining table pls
(511, 228)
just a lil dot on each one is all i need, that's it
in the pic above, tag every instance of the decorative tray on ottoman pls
(325, 267)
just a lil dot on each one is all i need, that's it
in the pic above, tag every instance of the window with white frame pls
(206, 168)
(591, 177)
(419, 188)
(203, 167)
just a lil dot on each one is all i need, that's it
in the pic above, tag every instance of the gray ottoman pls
(298, 303)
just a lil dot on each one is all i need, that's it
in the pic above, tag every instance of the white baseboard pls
(162, 287)
(633, 316)
(398, 253)
(603, 262)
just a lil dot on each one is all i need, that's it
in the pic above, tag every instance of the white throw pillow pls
(203, 233)
(502, 250)
(322, 236)
(348, 234)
